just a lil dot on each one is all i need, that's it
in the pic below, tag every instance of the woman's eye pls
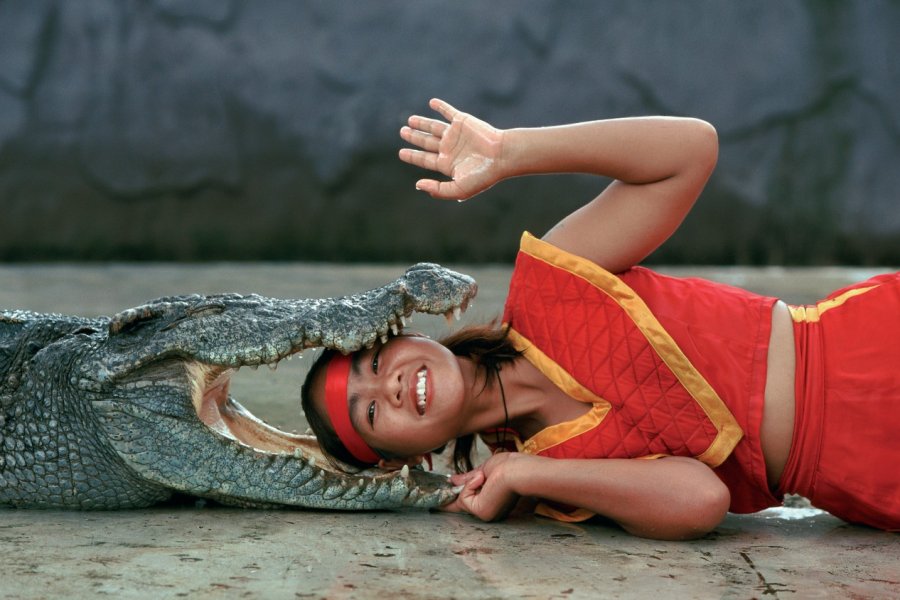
(375, 361)
(371, 414)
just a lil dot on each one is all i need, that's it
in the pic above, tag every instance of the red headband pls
(337, 374)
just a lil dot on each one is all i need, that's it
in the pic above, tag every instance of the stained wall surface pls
(196, 129)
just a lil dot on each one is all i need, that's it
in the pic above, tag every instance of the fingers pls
(447, 111)
(471, 482)
(426, 141)
(466, 497)
(433, 126)
(426, 125)
(419, 158)
(464, 478)
(442, 190)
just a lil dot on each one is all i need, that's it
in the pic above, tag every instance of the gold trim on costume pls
(812, 313)
(729, 432)
(576, 516)
(556, 434)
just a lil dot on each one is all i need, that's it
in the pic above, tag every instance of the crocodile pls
(130, 410)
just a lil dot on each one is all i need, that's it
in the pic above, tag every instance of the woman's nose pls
(384, 386)
(391, 388)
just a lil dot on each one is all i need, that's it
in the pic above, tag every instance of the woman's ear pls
(393, 464)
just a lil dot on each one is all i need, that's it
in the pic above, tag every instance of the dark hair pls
(487, 345)
(328, 440)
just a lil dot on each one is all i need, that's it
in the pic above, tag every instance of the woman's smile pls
(420, 391)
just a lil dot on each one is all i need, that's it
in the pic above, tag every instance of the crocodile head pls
(148, 391)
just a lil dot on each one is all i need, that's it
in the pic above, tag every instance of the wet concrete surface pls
(199, 550)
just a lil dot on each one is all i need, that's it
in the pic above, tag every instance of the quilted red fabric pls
(723, 331)
(591, 337)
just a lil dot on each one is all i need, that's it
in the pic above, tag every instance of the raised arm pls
(659, 164)
(671, 498)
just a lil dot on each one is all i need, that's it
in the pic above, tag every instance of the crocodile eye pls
(370, 414)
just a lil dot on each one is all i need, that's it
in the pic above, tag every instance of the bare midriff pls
(777, 429)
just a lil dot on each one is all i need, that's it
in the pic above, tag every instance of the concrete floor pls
(199, 550)
(211, 552)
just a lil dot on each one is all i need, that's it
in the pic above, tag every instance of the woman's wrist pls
(514, 153)
(519, 472)
(556, 149)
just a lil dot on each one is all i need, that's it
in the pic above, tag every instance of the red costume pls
(671, 366)
(845, 455)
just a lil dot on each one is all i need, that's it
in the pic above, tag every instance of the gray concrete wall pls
(197, 129)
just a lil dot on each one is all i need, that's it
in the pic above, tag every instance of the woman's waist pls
(777, 427)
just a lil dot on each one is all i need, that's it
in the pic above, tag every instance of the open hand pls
(465, 148)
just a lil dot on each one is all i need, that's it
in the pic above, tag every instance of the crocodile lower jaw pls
(226, 417)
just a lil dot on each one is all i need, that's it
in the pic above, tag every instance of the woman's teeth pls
(421, 378)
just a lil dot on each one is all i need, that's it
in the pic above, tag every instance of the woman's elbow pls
(706, 145)
(696, 515)
(704, 508)
(708, 509)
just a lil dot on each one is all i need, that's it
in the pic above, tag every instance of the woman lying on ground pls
(732, 399)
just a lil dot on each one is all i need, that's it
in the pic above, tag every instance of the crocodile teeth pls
(455, 314)
(421, 380)
(394, 329)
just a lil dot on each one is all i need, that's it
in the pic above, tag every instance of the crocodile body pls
(124, 411)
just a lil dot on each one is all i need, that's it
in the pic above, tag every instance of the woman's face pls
(406, 397)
